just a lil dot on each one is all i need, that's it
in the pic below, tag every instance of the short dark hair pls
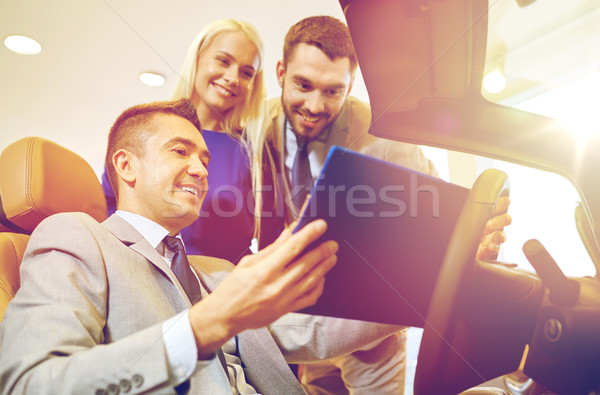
(133, 127)
(327, 33)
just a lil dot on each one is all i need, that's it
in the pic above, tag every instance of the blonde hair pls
(247, 120)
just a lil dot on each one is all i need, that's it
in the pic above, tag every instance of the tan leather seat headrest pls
(39, 178)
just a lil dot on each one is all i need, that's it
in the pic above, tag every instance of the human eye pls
(223, 60)
(181, 151)
(248, 74)
(204, 159)
(333, 92)
(304, 87)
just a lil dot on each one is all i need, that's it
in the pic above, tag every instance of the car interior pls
(490, 325)
(39, 178)
(428, 90)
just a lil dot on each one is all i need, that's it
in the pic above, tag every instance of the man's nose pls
(197, 168)
(315, 103)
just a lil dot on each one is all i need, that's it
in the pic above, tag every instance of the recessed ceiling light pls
(23, 45)
(494, 82)
(152, 79)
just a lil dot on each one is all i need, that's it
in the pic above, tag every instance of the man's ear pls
(125, 163)
(280, 72)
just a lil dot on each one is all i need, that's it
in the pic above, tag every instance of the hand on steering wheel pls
(485, 201)
(493, 234)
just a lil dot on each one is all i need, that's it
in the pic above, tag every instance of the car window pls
(542, 56)
(539, 46)
(542, 207)
(547, 53)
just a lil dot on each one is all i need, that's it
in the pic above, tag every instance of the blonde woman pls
(222, 75)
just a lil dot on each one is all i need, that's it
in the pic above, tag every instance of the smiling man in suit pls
(315, 112)
(316, 76)
(106, 308)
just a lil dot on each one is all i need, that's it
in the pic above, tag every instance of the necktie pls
(301, 177)
(183, 271)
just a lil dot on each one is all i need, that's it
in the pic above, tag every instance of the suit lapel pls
(136, 242)
(277, 138)
(265, 366)
(340, 130)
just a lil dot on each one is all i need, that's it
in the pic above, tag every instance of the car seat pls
(39, 178)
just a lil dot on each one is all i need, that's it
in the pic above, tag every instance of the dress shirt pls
(317, 152)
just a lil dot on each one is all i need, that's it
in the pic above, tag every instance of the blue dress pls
(226, 225)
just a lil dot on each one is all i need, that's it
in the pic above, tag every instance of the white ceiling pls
(94, 50)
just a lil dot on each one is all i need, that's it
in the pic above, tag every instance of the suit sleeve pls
(305, 338)
(397, 152)
(53, 333)
(400, 153)
(409, 155)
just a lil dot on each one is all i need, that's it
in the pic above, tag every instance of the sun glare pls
(574, 104)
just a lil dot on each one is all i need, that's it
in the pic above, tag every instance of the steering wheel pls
(459, 259)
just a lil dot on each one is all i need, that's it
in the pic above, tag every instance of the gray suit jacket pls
(90, 310)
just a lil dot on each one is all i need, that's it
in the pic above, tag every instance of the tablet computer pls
(393, 225)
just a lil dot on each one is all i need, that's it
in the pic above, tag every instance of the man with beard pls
(315, 112)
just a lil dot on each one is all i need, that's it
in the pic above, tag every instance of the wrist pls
(211, 328)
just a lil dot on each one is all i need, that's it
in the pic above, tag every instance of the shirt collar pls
(150, 230)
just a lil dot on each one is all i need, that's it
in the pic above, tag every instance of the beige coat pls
(350, 130)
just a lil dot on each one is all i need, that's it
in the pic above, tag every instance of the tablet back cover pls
(392, 225)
